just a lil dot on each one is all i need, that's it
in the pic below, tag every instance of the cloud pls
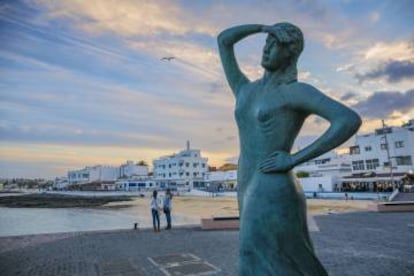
(393, 71)
(398, 51)
(39, 160)
(124, 17)
(384, 104)
(374, 17)
(231, 138)
(346, 67)
(348, 96)
(189, 56)
(232, 159)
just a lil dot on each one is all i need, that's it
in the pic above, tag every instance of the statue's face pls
(274, 55)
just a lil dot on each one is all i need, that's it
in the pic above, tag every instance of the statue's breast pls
(258, 106)
(263, 114)
(270, 107)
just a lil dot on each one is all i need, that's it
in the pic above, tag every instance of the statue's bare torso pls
(266, 117)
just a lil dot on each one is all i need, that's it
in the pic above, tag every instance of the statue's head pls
(289, 40)
(289, 36)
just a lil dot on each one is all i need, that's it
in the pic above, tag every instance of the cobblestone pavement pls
(347, 244)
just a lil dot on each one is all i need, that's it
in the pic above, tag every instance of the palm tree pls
(142, 163)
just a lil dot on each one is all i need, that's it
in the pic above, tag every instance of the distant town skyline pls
(101, 82)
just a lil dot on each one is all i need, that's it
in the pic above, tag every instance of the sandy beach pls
(190, 209)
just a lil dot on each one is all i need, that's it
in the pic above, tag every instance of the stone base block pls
(220, 223)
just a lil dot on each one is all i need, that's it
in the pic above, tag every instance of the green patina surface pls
(270, 112)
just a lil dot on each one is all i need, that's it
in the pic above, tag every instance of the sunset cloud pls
(83, 83)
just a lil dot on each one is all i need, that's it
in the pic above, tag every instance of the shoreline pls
(191, 206)
(44, 200)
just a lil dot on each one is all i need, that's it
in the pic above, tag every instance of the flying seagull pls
(168, 58)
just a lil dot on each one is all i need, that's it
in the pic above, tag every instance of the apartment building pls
(97, 173)
(181, 171)
(384, 158)
(101, 173)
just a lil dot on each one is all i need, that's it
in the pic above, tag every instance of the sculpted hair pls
(289, 35)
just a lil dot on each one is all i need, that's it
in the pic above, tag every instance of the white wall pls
(135, 185)
(130, 169)
(311, 184)
(221, 175)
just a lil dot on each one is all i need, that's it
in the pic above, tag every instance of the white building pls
(220, 180)
(61, 183)
(328, 164)
(93, 174)
(181, 171)
(129, 169)
(325, 172)
(383, 158)
(386, 147)
(136, 184)
(109, 174)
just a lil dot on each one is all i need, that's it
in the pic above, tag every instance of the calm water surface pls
(24, 221)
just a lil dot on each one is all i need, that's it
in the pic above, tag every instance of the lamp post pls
(384, 132)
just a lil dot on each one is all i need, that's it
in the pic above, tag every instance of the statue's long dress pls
(274, 237)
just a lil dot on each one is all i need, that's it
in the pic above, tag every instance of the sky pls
(83, 82)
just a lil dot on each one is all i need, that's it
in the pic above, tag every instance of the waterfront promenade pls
(360, 243)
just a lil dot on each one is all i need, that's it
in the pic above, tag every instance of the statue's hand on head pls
(279, 161)
(266, 29)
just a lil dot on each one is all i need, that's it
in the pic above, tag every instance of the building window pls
(372, 164)
(358, 165)
(195, 165)
(354, 150)
(404, 160)
(187, 164)
(384, 146)
(368, 148)
(399, 144)
(187, 174)
(203, 165)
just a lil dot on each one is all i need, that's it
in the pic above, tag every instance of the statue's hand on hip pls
(279, 161)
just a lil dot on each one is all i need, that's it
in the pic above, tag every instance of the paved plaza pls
(365, 243)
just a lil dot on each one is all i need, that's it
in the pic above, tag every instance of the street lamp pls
(387, 148)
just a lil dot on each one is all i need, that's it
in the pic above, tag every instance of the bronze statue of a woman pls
(274, 238)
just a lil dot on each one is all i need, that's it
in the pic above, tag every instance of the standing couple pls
(155, 207)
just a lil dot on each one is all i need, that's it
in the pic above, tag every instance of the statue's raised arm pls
(226, 41)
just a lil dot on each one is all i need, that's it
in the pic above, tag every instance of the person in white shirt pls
(155, 206)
